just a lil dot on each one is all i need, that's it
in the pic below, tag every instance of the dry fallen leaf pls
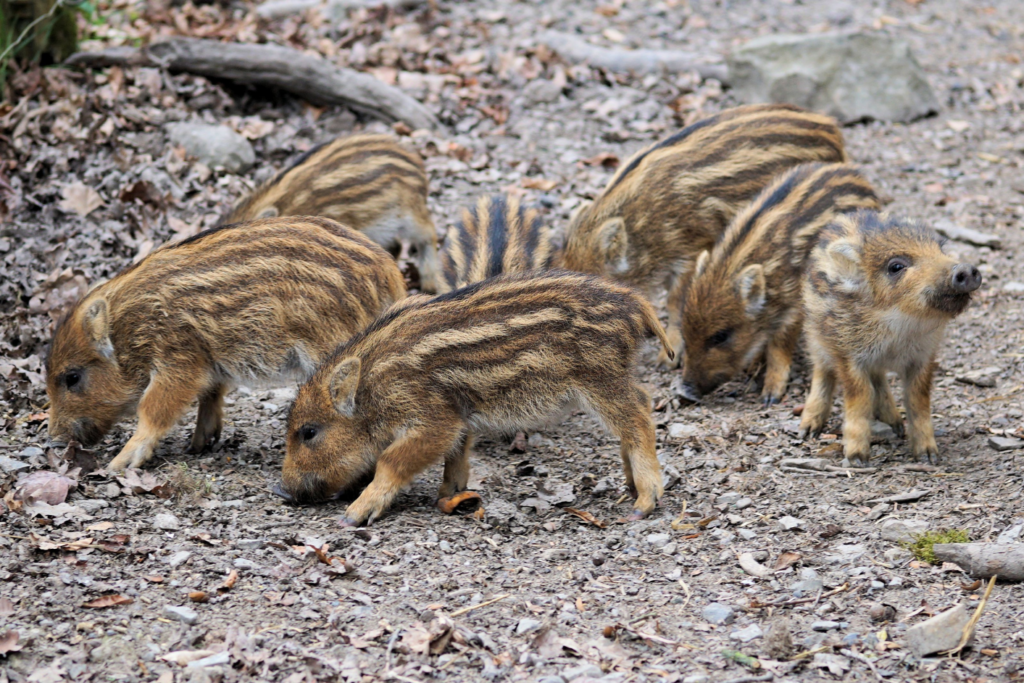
(586, 517)
(605, 159)
(787, 559)
(100, 526)
(198, 596)
(968, 587)
(147, 482)
(450, 504)
(105, 601)
(9, 642)
(80, 198)
(6, 607)
(542, 184)
(44, 486)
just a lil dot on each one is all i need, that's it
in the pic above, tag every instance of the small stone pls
(903, 530)
(897, 555)
(218, 659)
(32, 451)
(680, 430)
(1011, 535)
(809, 582)
(527, 625)
(10, 465)
(985, 377)
(183, 614)
(742, 504)
(91, 505)
(1004, 443)
(747, 634)
(541, 90)
(846, 554)
(697, 678)
(948, 228)
(554, 554)
(179, 558)
(717, 613)
(747, 534)
(941, 632)
(166, 521)
(670, 549)
(658, 540)
(881, 612)
(583, 670)
(788, 523)
(1013, 287)
(728, 498)
(243, 563)
(824, 625)
(881, 432)
(215, 146)
(249, 543)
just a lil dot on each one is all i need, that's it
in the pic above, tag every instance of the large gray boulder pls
(215, 146)
(852, 76)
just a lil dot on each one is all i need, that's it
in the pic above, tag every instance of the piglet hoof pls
(450, 504)
(929, 457)
(856, 461)
(348, 522)
(636, 516)
(768, 400)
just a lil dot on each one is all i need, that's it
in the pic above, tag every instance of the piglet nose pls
(966, 278)
(279, 490)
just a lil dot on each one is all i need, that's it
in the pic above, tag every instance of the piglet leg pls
(627, 414)
(674, 330)
(779, 355)
(209, 420)
(397, 465)
(917, 389)
(859, 404)
(166, 399)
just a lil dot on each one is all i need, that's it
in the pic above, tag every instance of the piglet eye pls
(72, 378)
(308, 432)
(718, 338)
(896, 266)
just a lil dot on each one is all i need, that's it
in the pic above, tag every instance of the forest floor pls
(525, 590)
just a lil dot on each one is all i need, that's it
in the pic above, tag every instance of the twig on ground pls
(467, 610)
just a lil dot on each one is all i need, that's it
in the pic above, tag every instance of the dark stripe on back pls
(497, 238)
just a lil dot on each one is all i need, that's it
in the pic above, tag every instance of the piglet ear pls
(752, 288)
(702, 263)
(269, 212)
(845, 257)
(96, 322)
(615, 243)
(343, 385)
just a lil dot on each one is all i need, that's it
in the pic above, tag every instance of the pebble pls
(542, 90)
(32, 451)
(213, 145)
(527, 625)
(682, 431)
(1004, 443)
(985, 377)
(747, 534)
(788, 523)
(728, 498)
(588, 670)
(742, 504)
(166, 521)
(670, 549)
(717, 613)
(91, 505)
(243, 563)
(845, 554)
(1013, 287)
(697, 678)
(809, 582)
(747, 634)
(659, 540)
(903, 530)
(941, 632)
(10, 465)
(179, 558)
(183, 614)
(250, 543)
(1011, 535)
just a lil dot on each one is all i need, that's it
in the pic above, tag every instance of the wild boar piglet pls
(745, 298)
(370, 183)
(878, 295)
(672, 200)
(503, 354)
(498, 236)
(258, 303)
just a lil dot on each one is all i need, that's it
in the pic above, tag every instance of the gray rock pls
(985, 377)
(1011, 535)
(113, 647)
(541, 90)
(243, 563)
(747, 534)
(941, 632)
(556, 493)
(1005, 443)
(32, 451)
(897, 555)
(215, 146)
(183, 614)
(91, 505)
(669, 477)
(179, 558)
(728, 498)
(697, 678)
(526, 625)
(166, 521)
(742, 504)
(788, 523)
(949, 229)
(659, 540)
(846, 554)
(852, 76)
(903, 530)
(717, 613)
(1013, 287)
(554, 554)
(250, 543)
(680, 430)
(747, 634)
(588, 670)
(881, 432)
(10, 465)
(809, 582)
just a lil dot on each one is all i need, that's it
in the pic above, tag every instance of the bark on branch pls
(982, 560)
(314, 79)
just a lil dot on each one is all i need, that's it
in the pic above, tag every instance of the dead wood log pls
(982, 560)
(575, 49)
(315, 80)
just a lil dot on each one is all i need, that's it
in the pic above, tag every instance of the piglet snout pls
(966, 278)
(279, 490)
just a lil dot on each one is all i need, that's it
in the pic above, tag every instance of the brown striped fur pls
(264, 301)
(745, 297)
(498, 235)
(370, 183)
(671, 201)
(499, 355)
(878, 295)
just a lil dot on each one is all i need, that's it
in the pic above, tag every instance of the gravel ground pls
(523, 590)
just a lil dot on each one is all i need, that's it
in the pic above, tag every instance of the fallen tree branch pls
(275, 9)
(576, 49)
(315, 80)
(983, 560)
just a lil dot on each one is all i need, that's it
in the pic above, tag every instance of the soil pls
(525, 590)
